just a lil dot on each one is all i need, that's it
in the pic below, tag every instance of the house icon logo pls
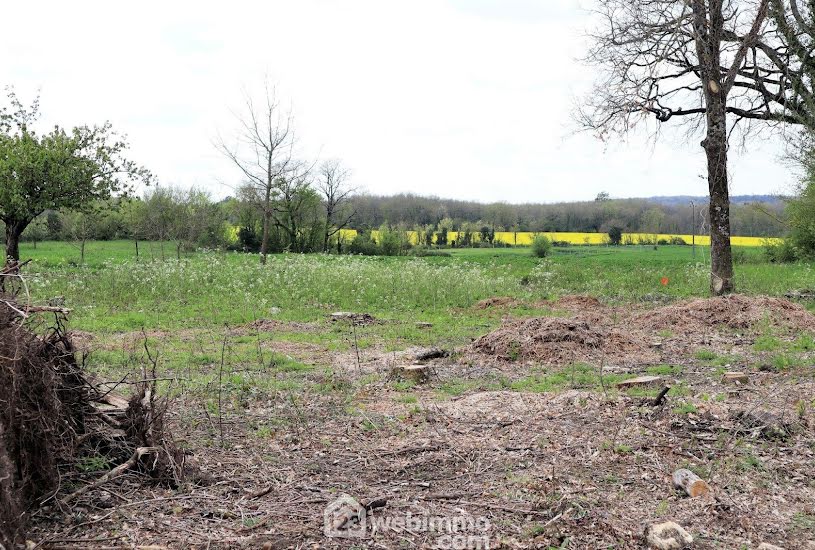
(345, 518)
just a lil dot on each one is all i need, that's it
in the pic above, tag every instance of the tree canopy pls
(60, 169)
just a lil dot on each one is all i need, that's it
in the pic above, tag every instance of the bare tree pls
(701, 60)
(262, 151)
(332, 183)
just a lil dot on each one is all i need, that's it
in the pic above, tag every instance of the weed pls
(665, 370)
(705, 355)
(766, 342)
(685, 408)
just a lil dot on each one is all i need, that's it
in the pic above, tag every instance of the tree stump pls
(415, 373)
(735, 377)
(667, 536)
(639, 381)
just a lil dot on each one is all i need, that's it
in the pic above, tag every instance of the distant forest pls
(754, 215)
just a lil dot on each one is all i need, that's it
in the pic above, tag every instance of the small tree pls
(262, 152)
(615, 235)
(332, 184)
(61, 169)
(37, 230)
(541, 246)
(81, 225)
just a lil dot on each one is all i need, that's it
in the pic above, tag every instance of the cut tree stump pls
(639, 381)
(735, 377)
(416, 373)
(689, 482)
(667, 536)
(351, 317)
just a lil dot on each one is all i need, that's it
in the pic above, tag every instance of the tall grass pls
(211, 289)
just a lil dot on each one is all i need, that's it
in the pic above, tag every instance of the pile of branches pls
(52, 414)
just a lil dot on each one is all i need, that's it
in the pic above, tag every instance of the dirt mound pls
(578, 302)
(735, 311)
(555, 340)
(496, 301)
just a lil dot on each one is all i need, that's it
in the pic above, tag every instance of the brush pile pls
(52, 414)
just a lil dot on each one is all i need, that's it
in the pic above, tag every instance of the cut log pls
(667, 536)
(423, 324)
(639, 381)
(689, 482)
(735, 377)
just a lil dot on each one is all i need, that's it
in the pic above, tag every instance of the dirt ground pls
(507, 433)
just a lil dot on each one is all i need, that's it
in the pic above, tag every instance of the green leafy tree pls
(541, 246)
(615, 235)
(62, 169)
(801, 212)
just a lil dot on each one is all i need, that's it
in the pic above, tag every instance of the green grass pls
(115, 292)
(203, 295)
(664, 370)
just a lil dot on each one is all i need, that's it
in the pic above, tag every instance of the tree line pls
(761, 219)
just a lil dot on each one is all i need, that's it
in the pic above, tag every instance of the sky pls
(467, 99)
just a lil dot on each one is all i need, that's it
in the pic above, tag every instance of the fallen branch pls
(661, 397)
(114, 473)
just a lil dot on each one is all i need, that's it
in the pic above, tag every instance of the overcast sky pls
(469, 99)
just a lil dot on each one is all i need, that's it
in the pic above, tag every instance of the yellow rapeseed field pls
(525, 238)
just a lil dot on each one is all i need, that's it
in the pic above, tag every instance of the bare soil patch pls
(735, 311)
(558, 341)
(496, 302)
(630, 336)
(274, 325)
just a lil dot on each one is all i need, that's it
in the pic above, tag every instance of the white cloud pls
(465, 98)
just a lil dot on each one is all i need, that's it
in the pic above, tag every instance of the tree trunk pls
(264, 241)
(82, 252)
(13, 232)
(708, 26)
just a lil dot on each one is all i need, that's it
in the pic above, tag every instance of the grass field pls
(115, 292)
(269, 390)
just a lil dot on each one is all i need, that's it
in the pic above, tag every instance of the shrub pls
(780, 251)
(441, 237)
(801, 214)
(248, 239)
(364, 245)
(615, 235)
(678, 241)
(541, 246)
(561, 243)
